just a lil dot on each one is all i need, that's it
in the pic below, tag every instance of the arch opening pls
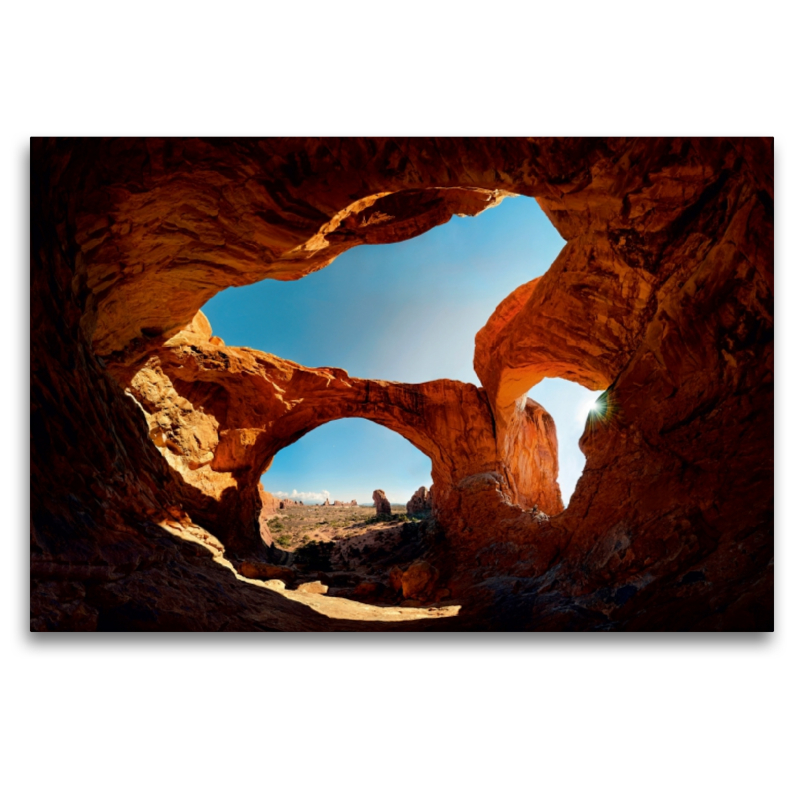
(347, 459)
(404, 311)
(571, 406)
(330, 527)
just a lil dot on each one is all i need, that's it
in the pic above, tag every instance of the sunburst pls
(602, 411)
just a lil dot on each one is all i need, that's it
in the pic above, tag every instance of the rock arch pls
(664, 294)
(220, 415)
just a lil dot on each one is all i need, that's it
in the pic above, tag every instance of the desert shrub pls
(284, 540)
(377, 518)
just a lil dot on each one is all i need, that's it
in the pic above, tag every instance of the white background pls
(557, 716)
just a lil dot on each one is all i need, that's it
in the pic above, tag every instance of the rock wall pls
(663, 296)
(269, 507)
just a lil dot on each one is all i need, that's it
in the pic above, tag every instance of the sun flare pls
(591, 406)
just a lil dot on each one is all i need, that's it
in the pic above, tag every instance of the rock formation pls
(289, 503)
(269, 507)
(269, 503)
(382, 505)
(149, 436)
(419, 581)
(420, 502)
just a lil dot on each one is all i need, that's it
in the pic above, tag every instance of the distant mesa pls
(420, 502)
(382, 505)
(288, 503)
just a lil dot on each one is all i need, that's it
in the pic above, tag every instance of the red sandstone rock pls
(419, 581)
(269, 503)
(420, 502)
(241, 386)
(267, 572)
(368, 591)
(289, 503)
(382, 505)
(269, 507)
(663, 293)
(396, 579)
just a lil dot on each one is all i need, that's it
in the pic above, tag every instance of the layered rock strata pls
(662, 296)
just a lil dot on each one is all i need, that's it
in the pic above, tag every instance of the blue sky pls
(405, 312)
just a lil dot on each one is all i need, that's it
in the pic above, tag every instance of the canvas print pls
(402, 384)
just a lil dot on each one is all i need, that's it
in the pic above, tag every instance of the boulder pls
(419, 581)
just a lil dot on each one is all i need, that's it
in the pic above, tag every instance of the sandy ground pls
(295, 527)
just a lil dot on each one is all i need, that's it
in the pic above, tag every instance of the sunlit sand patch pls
(331, 607)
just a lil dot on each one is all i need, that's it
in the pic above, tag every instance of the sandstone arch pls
(220, 415)
(669, 289)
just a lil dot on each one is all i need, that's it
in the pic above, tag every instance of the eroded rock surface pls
(269, 507)
(257, 404)
(143, 425)
(382, 505)
(420, 502)
(419, 581)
